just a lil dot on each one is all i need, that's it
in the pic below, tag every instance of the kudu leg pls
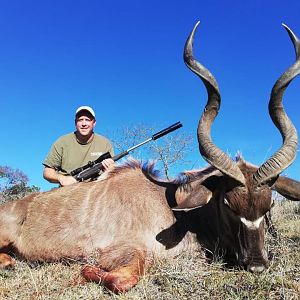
(6, 261)
(122, 274)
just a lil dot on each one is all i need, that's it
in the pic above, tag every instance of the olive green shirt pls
(67, 154)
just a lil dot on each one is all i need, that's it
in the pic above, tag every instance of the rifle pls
(92, 168)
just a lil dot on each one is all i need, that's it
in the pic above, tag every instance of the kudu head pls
(246, 190)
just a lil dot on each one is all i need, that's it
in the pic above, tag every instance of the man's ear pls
(191, 197)
(287, 187)
(94, 125)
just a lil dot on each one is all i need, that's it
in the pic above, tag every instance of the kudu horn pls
(287, 153)
(208, 150)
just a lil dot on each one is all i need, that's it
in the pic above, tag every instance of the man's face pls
(85, 123)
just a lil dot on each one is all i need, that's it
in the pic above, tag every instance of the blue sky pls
(124, 58)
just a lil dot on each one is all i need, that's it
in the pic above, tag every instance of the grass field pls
(185, 277)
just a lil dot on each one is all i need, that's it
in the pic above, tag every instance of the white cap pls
(88, 108)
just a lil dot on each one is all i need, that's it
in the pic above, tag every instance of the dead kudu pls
(124, 220)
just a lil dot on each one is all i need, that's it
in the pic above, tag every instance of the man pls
(76, 149)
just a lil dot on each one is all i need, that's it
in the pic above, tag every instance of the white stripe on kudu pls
(252, 224)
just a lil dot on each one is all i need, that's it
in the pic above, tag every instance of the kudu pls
(124, 220)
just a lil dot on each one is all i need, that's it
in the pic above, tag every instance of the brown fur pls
(77, 221)
(123, 220)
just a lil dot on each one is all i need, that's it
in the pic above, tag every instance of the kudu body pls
(124, 220)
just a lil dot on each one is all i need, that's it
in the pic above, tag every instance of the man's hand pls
(66, 180)
(107, 164)
(52, 176)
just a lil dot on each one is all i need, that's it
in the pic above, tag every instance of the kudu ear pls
(287, 187)
(191, 197)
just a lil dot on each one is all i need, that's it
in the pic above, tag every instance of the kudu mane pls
(148, 168)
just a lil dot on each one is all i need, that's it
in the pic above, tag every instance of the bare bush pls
(168, 151)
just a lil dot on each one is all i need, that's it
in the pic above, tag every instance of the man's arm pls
(53, 176)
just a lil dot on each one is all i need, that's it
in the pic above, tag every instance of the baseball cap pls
(87, 108)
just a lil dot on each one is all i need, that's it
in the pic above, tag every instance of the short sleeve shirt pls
(67, 154)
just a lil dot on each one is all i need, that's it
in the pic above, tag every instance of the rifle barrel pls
(167, 130)
(140, 144)
(157, 135)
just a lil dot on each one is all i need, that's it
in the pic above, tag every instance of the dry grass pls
(186, 277)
